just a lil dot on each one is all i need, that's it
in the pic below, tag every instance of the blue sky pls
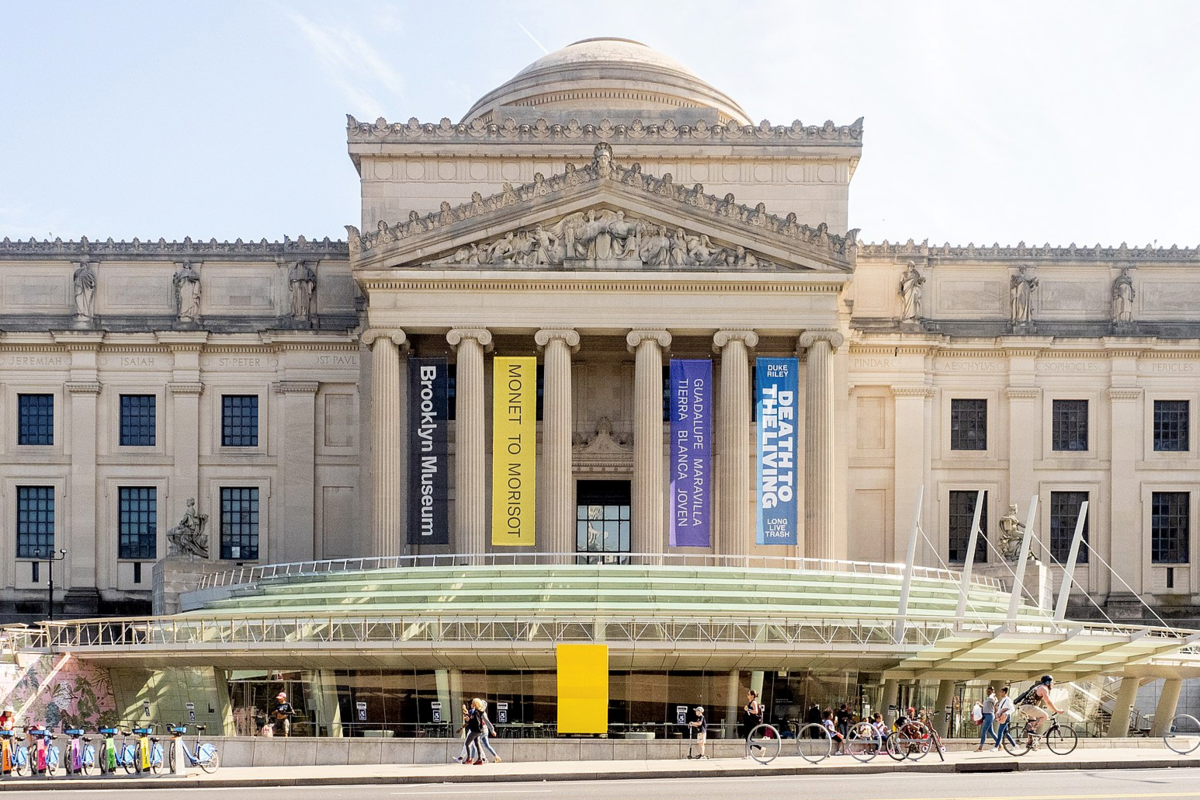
(985, 121)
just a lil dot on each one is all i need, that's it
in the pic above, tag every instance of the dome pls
(612, 77)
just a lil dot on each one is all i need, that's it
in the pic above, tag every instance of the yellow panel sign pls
(582, 688)
(514, 451)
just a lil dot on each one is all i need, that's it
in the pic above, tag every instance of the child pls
(834, 733)
(701, 726)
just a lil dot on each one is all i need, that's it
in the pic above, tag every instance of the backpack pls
(1027, 697)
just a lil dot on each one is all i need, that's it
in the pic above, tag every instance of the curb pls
(194, 781)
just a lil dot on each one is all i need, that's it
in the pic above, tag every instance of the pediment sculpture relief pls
(604, 235)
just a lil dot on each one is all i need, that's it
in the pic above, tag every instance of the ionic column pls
(558, 497)
(818, 443)
(470, 464)
(647, 513)
(734, 528)
(386, 456)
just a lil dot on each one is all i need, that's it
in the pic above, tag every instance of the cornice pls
(1022, 393)
(584, 284)
(186, 388)
(912, 391)
(1124, 394)
(575, 131)
(83, 387)
(1071, 252)
(171, 250)
(297, 387)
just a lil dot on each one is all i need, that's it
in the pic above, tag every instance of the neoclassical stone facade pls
(603, 212)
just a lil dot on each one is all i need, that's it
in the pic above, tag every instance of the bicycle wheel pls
(1061, 739)
(171, 759)
(863, 742)
(51, 761)
(209, 760)
(1184, 734)
(896, 746)
(763, 743)
(813, 742)
(130, 758)
(1016, 745)
(87, 764)
(918, 740)
(156, 758)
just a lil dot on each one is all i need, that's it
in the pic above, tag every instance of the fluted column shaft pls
(387, 484)
(819, 540)
(470, 465)
(734, 526)
(647, 513)
(559, 496)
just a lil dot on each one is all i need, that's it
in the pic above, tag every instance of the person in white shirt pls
(1005, 708)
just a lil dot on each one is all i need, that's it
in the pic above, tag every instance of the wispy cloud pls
(351, 63)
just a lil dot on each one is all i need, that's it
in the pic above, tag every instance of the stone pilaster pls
(470, 465)
(386, 455)
(819, 538)
(183, 447)
(298, 471)
(734, 525)
(648, 512)
(559, 495)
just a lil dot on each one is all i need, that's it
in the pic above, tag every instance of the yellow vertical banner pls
(582, 688)
(514, 450)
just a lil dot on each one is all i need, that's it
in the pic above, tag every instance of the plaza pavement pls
(1146, 757)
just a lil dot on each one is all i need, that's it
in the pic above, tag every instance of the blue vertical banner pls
(691, 452)
(778, 382)
(428, 485)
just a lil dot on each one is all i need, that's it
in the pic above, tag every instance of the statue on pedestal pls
(302, 282)
(1012, 531)
(84, 281)
(1122, 298)
(188, 537)
(187, 293)
(910, 292)
(1022, 286)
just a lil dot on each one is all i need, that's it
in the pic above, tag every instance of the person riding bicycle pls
(1033, 704)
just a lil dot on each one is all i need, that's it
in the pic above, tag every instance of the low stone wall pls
(277, 751)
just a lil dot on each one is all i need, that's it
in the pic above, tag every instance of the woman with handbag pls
(1005, 708)
(986, 718)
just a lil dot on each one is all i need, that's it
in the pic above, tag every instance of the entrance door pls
(602, 521)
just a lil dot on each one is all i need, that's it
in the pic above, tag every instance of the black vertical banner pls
(429, 484)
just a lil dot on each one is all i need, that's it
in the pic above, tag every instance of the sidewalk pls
(964, 762)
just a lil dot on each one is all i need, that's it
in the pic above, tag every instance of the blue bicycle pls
(203, 755)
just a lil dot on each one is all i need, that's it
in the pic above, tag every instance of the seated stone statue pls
(188, 537)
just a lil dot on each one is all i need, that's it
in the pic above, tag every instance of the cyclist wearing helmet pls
(1035, 702)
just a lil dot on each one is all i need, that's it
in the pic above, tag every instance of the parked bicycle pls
(146, 755)
(42, 753)
(15, 756)
(109, 757)
(80, 758)
(1183, 736)
(1060, 739)
(203, 755)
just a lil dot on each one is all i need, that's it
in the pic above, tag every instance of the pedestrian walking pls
(1005, 708)
(486, 729)
(754, 713)
(987, 717)
(474, 726)
(282, 715)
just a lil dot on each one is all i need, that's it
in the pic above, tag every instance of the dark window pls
(1169, 525)
(452, 391)
(35, 521)
(968, 424)
(962, 514)
(666, 387)
(1171, 426)
(35, 419)
(239, 420)
(541, 390)
(1064, 511)
(137, 420)
(602, 522)
(1070, 425)
(137, 522)
(239, 524)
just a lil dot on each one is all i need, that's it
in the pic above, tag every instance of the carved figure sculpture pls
(187, 292)
(302, 282)
(1122, 297)
(188, 537)
(85, 292)
(910, 291)
(1012, 531)
(1021, 290)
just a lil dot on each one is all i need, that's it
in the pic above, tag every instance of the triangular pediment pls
(604, 216)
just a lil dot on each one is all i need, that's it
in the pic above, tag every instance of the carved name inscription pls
(1070, 366)
(240, 361)
(137, 361)
(874, 362)
(337, 361)
(36, 361)
(1167, 367)
(971, 365)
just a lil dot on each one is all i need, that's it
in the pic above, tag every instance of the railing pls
(254, 574)
(757, 631)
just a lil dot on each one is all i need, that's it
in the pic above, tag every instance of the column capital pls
(196, 388)
(482, 335)
(722, 338)
(83, 387)
(809, 338)
(547, 335)
(372, 335)
(636, 337)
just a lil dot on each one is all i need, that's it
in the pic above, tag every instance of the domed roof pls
(603, 75)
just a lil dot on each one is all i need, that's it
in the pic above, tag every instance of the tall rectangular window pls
(1064, 511)
(239, 524)
(602, 521)
(137, 420)
(239, 420)
(1171, 426)
(968, 424)
(137, 522)
(35, 521)
(1069, 425)
(35, 419)
(1170, 524)
(962, 514)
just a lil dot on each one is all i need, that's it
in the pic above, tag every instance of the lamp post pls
(50, 558)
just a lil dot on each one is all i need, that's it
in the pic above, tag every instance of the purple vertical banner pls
(691, 452)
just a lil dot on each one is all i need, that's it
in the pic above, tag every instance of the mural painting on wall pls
(59, 691)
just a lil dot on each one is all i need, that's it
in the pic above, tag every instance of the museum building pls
(492, 373)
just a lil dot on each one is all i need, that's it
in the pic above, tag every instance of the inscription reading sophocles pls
(1070, 366)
